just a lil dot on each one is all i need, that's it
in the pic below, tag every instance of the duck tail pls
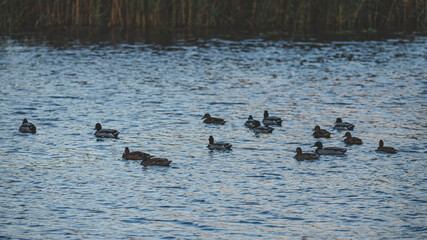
(32, 129)
(116, 134)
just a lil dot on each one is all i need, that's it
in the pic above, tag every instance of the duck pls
(320, 133)
(329, 150)
(340, 125)
(218, 145)
(305, 156)
(381, 148)
(136, 155)
(148, 160)
(257, 128)
(209, 119)
(105, 133)
(27, 127)
(250, 123)
(270, 120)
(349, 140)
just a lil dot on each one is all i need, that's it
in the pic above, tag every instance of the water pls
(63, 183)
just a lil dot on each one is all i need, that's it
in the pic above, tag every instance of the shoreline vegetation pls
(294, 16)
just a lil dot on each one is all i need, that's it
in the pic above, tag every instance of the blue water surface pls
(62, 183)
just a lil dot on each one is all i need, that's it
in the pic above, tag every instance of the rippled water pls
(63, 183)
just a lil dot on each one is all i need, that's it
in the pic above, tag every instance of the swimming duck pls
(381, 148)
(250, 123)
(305, 156)
(257, 128)
(209, 119)
(136, 155)
(329, 150)
(270, 120)
(105, 133)
(218, 145)
(148, 160)
(27, 127)
(349, 140)
(320, 133)
(340, 125)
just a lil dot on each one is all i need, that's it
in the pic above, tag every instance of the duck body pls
(305, 156)
(27, 127)
(328, 150)
(154, 161)
(105, 133)
(349, 140)
(262, 129)
(382, 148)
(257, 128)
(213, 120)
(136, 155)
(340, 125)
(251, 122)
(331, 151)
(270, 120)
(218, 145)
(320, 133)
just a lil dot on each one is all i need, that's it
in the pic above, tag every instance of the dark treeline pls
(283, 15)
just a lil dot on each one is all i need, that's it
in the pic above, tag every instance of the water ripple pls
(61, 181)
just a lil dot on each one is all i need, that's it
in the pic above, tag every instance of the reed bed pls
(283, 15)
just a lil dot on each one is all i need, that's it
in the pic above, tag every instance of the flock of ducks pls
(349, 140)
(251, 123)
(317, 133)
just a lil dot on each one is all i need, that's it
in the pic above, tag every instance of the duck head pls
(265, 114)
(25, 121)
(207, 115)
(211, 140)
(339, 120)
(250, 117)
(126, 150)
(98, 126)
(316, 128)
(381, 144)
(299, 150)
(347, 135)
(319, 145)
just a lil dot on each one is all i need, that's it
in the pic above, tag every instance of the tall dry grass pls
(286, 15)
